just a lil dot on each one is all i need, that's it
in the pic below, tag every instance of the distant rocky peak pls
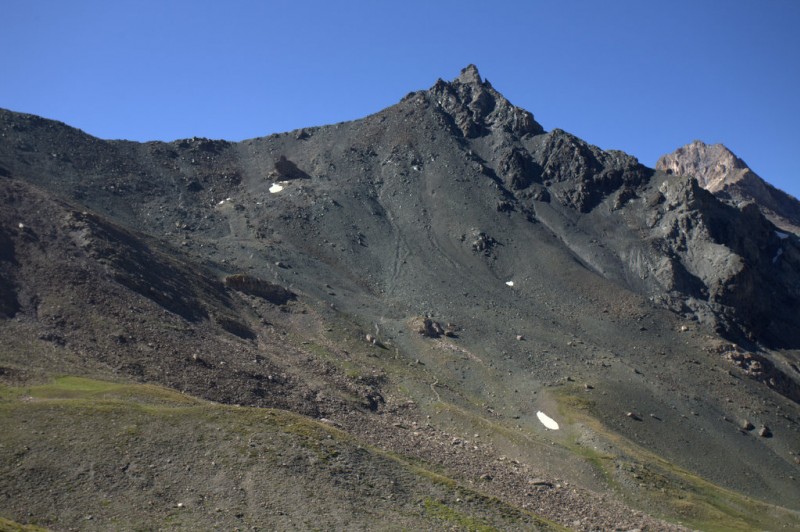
(720, 171)
(478, 109)
(713, 165)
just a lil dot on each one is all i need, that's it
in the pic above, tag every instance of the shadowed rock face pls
(556, 260)
(271, 292)
(728, 261)
(721, 172)
(8, 297)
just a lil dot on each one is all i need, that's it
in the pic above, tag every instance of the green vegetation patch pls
(80, 388)
(452, 517)
(680, 495)
(11, 526)
(96, 455)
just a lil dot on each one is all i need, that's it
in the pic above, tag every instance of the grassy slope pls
(93, 454)
(11, 526)
(640, 477)
(648, 481)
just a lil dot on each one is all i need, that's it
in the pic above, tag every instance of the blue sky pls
(644, 77)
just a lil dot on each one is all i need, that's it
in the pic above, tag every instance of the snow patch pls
(782, 235)
(275, 188)
(547, 421)
(777, 256)
(509, 283)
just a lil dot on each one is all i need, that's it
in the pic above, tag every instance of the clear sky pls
(637, 75)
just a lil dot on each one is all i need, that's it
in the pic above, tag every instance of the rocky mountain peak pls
(721, 172)
(331, 274)
(470, 75)
(478, 109)
(713, 165)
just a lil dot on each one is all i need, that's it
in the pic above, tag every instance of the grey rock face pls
(478, 109)
(721, 172)
(582, 175)
(662, 235)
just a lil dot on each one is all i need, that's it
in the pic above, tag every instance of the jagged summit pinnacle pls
(478, 108)
(470, 75)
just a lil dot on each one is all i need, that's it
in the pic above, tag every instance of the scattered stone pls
(520, 338)
(747, 425)
(378, 343)
(450, 330)
(634, 416)
(487, 477)
(760, 368)
(254, 286)
(504, 206)
(429, 328)
(764, 432)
